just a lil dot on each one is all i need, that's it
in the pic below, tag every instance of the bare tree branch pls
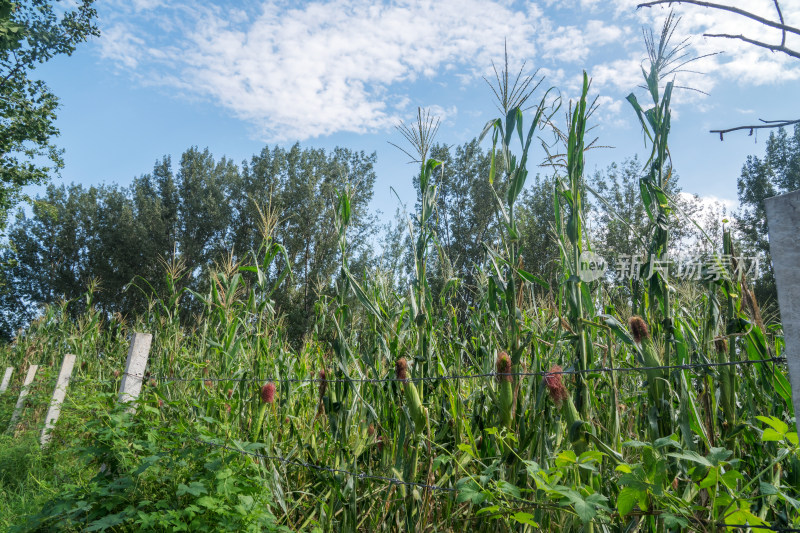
(773, 47)
(767, 124)
(780, 17)
(732, 9)
(771, 23)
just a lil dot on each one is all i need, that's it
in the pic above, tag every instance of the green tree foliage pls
(538, 244)
(75, 235)
(31, 33)
(207, 214)
(777, 172)
(620, 226)
(301, 186)
(466, 213)
(465, 218)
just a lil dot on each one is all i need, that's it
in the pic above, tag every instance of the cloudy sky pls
(235, 76)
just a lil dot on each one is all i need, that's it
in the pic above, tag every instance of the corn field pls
(549, 409)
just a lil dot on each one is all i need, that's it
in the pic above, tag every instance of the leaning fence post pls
(22, 394)
(783, 217)
(135, 364)
(58, 397)
(134, 368)
(6, 379)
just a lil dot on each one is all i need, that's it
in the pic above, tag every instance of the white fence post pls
(134, 368)
(6, 379)
(22, 394)
(783, 217)
(58, 397)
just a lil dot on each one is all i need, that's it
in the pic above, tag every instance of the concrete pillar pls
(22, 394)
(58, 397)
(783, 217)
(134, 368)
(6, 379)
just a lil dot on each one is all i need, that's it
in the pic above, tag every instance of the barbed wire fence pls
(540, 373)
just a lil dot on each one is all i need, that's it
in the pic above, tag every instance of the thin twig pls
(762, 44)
(768, 124)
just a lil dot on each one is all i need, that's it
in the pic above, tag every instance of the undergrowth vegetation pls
(592, 407)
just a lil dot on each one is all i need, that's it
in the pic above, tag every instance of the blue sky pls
(236, 76)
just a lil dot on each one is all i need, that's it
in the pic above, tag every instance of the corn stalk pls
(509, 278)
(655, 123)
(572, 243)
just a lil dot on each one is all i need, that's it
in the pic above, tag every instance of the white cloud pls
(444, 114)
(623, 74)
(574, 43)
(325, 66)
(600, 33)
(732, 61)
(711, 202)
(121, 46)
(141, 5)
(607, 104)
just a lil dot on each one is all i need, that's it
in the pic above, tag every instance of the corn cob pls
(505, 393)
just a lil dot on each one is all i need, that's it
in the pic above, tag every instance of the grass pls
(30, 476)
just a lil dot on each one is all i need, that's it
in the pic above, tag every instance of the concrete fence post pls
(22, 394)
(6, 379)
(135, 366)
(134, 369)
(58, 397)
(783, 217)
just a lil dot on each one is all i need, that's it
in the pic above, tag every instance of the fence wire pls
(540, 373)
(454, 377)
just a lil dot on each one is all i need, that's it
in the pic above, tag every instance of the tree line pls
(208, 214)
(202, 212)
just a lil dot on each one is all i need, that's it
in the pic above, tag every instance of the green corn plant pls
(725, 347)
(419, 417)
(166, 309)
(266, 399)
(348, 413)
(420, 135)
(270, 256)
(562, 399)
(717, 346)
(342, 317)
(572, 243)
(694, 417)
(664, 61)
(415, 408)
(509, 279)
